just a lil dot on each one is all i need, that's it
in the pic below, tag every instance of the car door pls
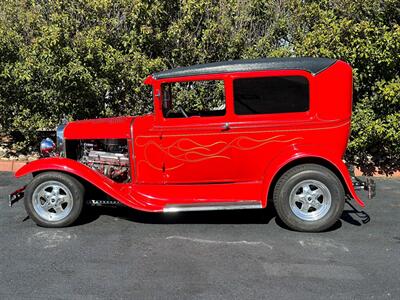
(195, 133)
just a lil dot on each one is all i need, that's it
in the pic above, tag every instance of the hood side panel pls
(115, 128)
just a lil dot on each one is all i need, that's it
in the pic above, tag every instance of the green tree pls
(88, 58)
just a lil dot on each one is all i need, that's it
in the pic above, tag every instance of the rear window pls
(270, 95)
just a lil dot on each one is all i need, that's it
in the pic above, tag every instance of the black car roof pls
(313, 65)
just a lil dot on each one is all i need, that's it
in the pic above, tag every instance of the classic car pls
(228, 135)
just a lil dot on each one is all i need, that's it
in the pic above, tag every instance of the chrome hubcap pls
(310, 200)
(52, 201)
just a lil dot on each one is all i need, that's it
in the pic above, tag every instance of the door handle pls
(226, 127)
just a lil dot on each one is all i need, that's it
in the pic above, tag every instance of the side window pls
(270, 95)
(193, 98)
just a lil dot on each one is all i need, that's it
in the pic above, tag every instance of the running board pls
(212, 206)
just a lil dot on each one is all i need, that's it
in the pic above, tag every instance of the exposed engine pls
(109, 157)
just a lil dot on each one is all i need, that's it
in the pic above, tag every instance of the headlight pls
(47, 147)
(60, 139)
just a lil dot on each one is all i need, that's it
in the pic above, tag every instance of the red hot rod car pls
(227, 135)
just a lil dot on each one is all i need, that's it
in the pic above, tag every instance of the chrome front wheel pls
(54, 199)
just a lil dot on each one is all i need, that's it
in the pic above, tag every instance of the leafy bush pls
(88, 58)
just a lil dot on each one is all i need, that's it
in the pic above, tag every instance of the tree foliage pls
(88, 58)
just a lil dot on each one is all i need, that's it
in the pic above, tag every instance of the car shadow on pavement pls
(354, 216)
(350, 215)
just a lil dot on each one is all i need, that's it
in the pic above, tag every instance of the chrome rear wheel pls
(310, 200)
(309, 197)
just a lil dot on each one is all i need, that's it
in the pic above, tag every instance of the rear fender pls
(119, 191)
(301, 152)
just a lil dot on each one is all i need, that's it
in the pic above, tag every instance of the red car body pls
(234, 160)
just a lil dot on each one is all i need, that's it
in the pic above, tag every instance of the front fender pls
(298, 152)
(119, 191)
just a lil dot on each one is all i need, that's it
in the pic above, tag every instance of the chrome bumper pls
(367, 185)
(16, 196)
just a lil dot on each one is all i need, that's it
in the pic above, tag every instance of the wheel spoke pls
(58, 209)
(47, 205)
(43, 194)
(63, 199)
(305, 207)
(299, 198)
(56, 190)
(317, 193)
(306, 189)
(316, 204)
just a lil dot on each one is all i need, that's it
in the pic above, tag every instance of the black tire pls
(75, 189)
(292, 182)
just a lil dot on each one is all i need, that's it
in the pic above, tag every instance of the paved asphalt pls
(124, 254)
